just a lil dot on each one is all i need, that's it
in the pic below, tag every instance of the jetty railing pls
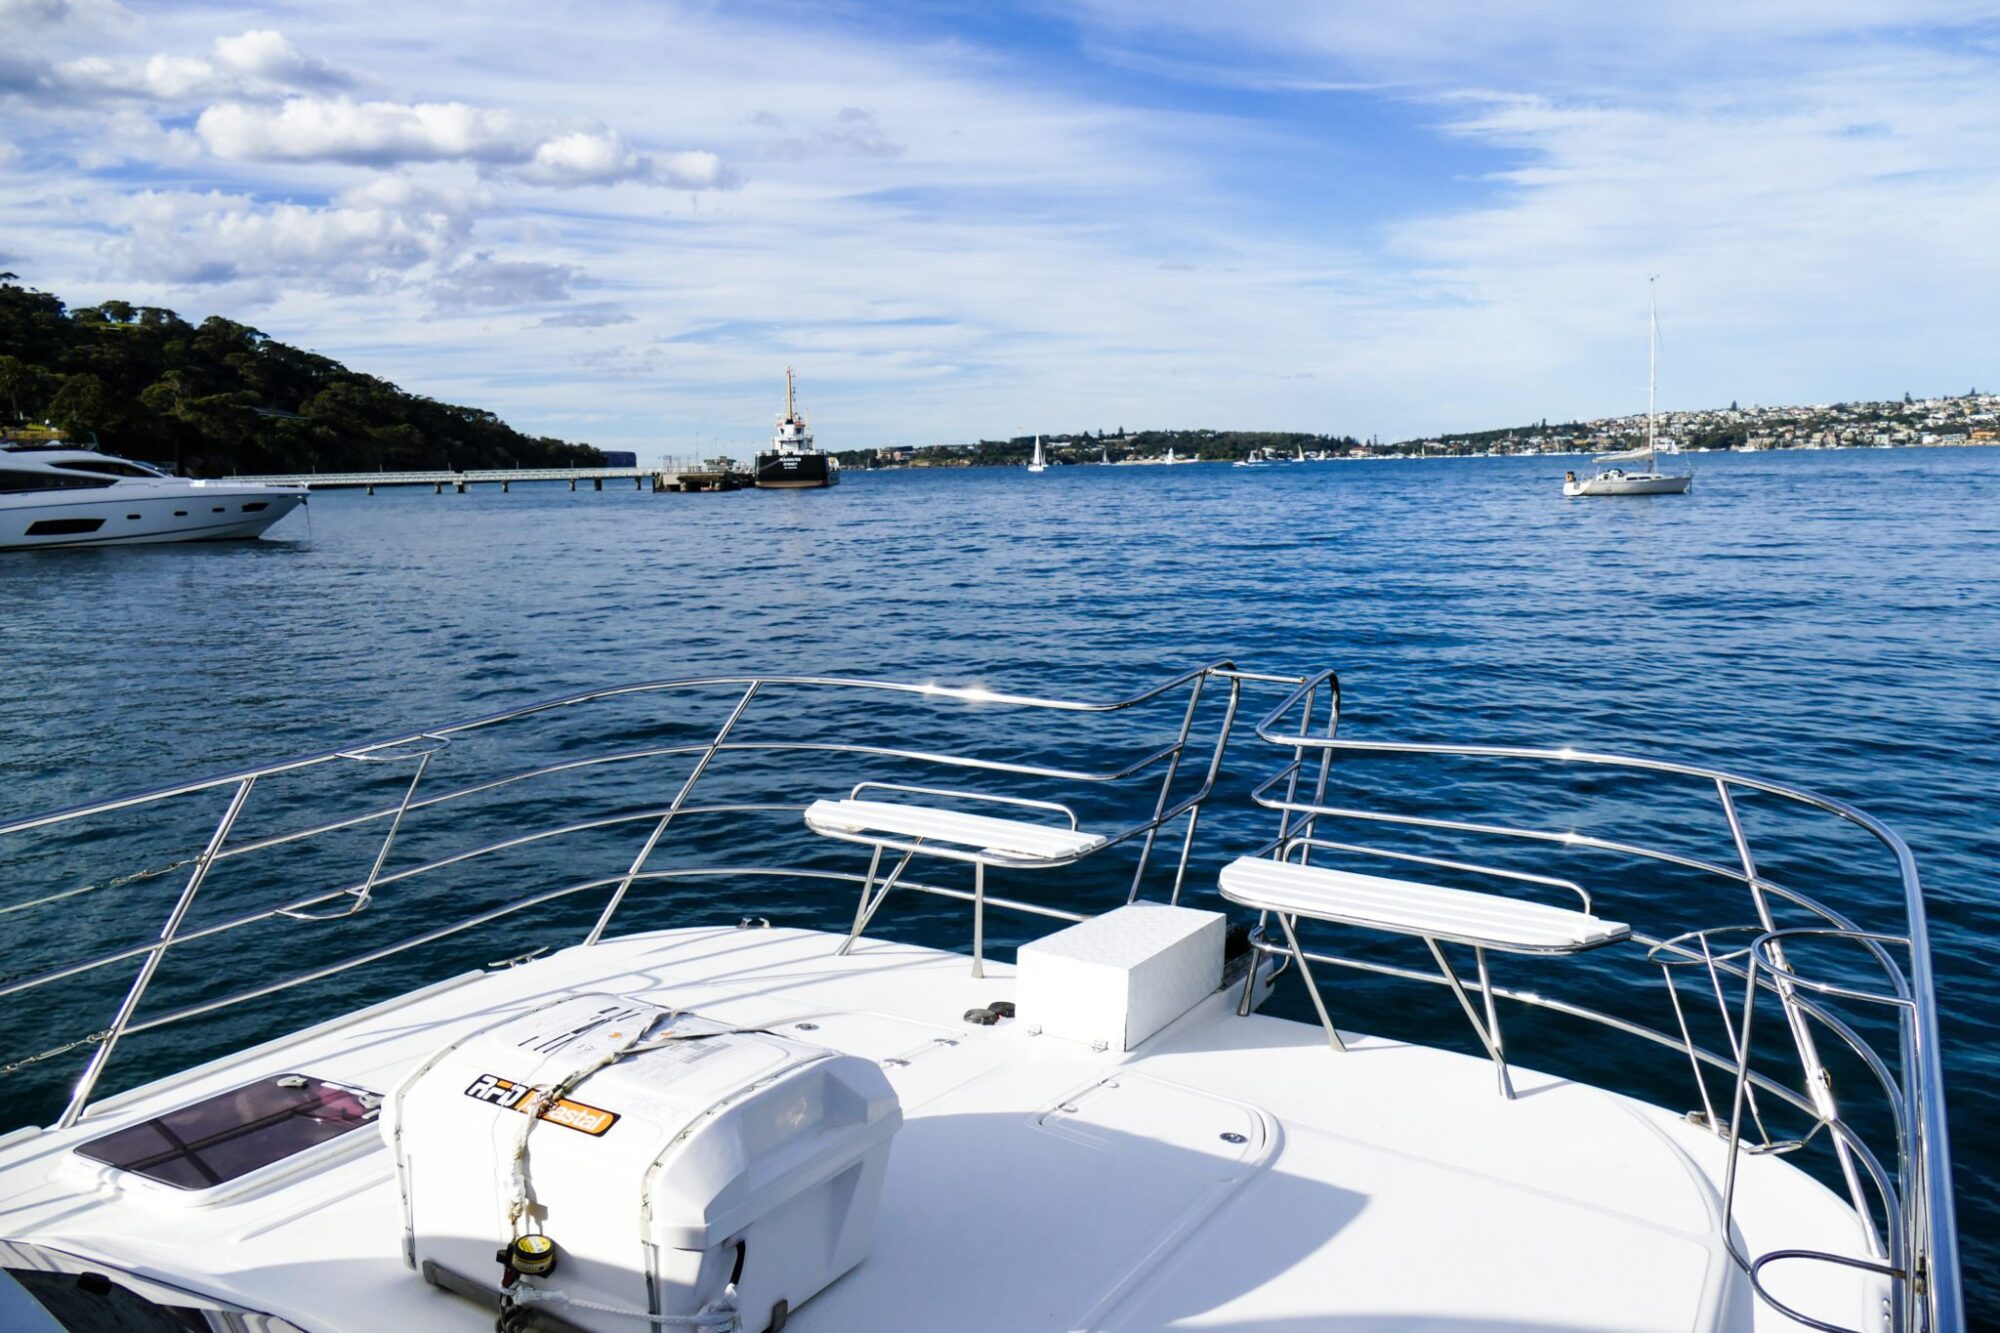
(1171, 802)
(1901, 1192)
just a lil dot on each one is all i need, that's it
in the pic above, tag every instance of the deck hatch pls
(227, 1136)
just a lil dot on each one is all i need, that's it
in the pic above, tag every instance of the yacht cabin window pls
(109, 467)
(13, 482)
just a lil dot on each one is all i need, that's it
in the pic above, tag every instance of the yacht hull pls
(141, 514)
(796, 472)
(1654, 485)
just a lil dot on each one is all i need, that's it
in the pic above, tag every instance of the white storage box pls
(1116, 979)
(701, 1155)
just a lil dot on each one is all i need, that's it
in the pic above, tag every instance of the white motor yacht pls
(689, 1118)
(79, 497)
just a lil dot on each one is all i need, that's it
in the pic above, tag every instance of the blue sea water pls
(1830, 620)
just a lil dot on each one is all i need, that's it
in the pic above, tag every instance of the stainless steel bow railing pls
(730, 741)
(1904, 1206)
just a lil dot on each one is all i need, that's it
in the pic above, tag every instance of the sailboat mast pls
(1652, 370)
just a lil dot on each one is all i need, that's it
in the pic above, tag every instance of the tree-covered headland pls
(219, 397)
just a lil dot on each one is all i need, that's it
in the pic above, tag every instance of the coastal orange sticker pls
(512, 1096)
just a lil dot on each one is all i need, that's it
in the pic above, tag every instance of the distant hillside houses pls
(1105, 446)
(1969, 419)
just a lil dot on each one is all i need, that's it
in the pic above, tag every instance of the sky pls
(620, 220)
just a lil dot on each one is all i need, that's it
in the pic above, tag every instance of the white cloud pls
(401, 193)
(126, 134)
(388, 237)
(258, 63)
(190, 238)
(489, 282)
(853, 132)
(167, 78)
(26, 16)
(315, 129)
(596, 315)
(338, 129)
(951, 240)
(264, 54)
(693, 170)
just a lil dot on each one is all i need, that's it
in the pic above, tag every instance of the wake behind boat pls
(743, 1124)
(79, 497)
(1610, 477)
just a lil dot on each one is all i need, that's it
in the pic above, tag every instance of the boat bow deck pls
(1038, 1183)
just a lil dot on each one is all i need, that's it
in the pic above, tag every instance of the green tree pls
(223, 396)
(17, 378)
(82, 405)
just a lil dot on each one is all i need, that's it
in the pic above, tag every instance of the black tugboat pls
(792, 463)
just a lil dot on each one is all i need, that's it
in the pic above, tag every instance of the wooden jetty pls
(668, 476)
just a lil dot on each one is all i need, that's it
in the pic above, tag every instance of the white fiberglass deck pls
(1037, 1183)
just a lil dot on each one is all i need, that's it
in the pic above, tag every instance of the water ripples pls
(1827, 619)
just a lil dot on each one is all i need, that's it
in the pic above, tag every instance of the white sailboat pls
(1036, 464)
(1610, 476)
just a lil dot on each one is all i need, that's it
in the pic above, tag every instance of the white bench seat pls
(1458, 916)
(1016, 838)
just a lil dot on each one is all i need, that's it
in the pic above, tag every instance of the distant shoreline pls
(956, 465)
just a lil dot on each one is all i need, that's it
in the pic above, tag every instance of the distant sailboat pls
(1036, 464)
(1611, 478)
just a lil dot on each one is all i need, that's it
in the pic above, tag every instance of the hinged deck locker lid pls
(682, 1136)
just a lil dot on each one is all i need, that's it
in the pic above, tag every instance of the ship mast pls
(1652, 370)
(789, 413)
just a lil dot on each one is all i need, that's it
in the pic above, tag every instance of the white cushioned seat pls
(1460, 916)
(1001, 837)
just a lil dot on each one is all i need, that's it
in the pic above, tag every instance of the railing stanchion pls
(87, 1082)
(978, 918)
(680, 798)
(1166, 787)
(1819, 1084)
(1208, 784)
(395, 827)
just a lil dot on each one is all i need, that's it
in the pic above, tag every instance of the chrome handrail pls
(1920, 1253)
(420, 747)
(963, 694)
